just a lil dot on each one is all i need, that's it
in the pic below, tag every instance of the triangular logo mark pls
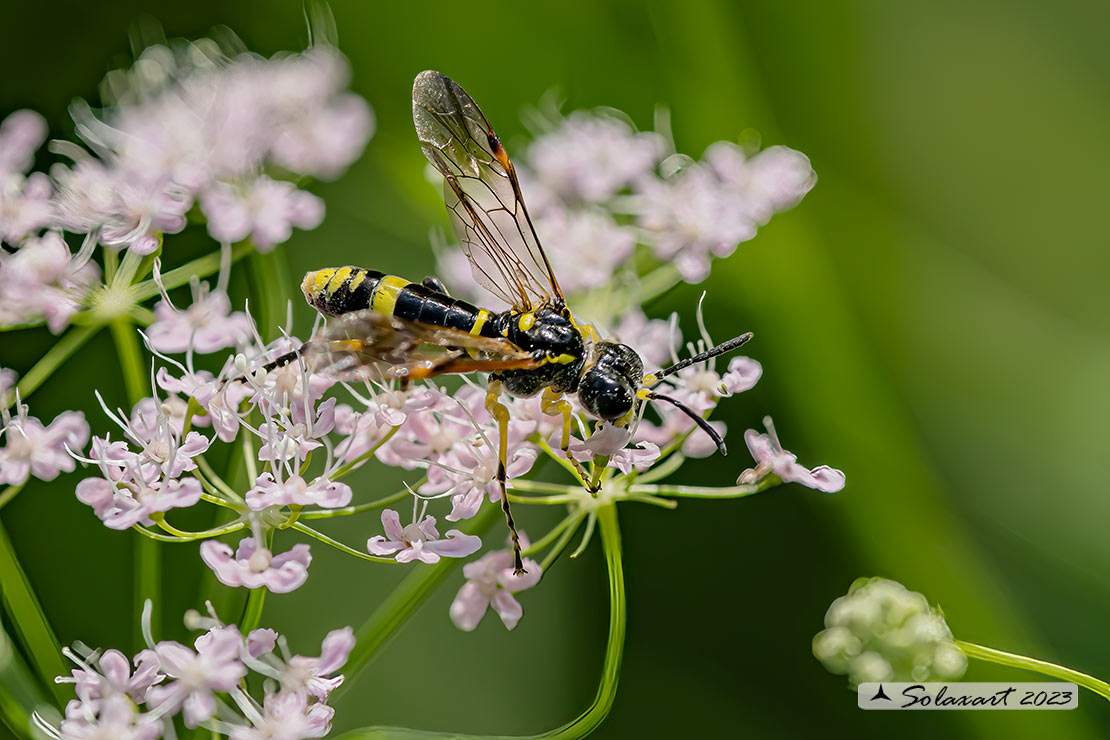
(880, 694)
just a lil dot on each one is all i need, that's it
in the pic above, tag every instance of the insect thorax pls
(547, 330)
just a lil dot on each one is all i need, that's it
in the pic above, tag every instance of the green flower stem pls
(148, 555)
(358, 461)
(403, 602)
(201, 267)
(72, 341)
(550, 452)
(538, 486)
(183, 536)
(269, 279)
(663, 469)
(348, 510)
(215, 480)
(9, 493)
(572, 527)
(591, 523)
(20, 691)
(305, 529)
(565, 498)
(599, 708)
(130, 357)
(26, 614)
(252, 612)
(739, 491)
(971, 650)
(553, 535)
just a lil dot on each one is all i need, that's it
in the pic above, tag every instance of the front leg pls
(552, 403)
(500, 412)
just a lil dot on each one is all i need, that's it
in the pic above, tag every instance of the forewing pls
(367, 345)
(482, 194)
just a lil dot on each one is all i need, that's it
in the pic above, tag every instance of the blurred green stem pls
(27, 616)
(20, 692)
(201, 267)
(599, 708)
(73, 340)
(252, 613)
(148, 553)
(991, 655)
(9, 493)
(403, 602)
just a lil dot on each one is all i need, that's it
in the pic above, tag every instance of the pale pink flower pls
(586, 246)
(473, 475)
(314, 674)
(206, 326)
(43, 280)
(288, 716)
(214, 666)
(33, 449)
(772, 458)
(25, 206)
(264, 210)
(491, 583)
(21, 134)
(609, 440)
(115, 717)
(123, 504)
(773, 180)
(322, 492)
(591, 156)
(113, 676)
(325, 141)
(655, 340)
(420, 541)
(254, 567)
(690, 218)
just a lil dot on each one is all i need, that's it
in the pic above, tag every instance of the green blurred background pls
(932, 319)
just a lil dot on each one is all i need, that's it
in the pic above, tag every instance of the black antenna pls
(709, 354)
(705, 427)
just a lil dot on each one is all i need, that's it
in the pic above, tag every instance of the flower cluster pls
(188, 124)
(597, 189)
(206, 685)
(32, 448)
(882, 631)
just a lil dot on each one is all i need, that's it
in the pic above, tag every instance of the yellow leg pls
(499, 412)
(552, 404)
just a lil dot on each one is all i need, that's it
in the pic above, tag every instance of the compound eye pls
(605, 396)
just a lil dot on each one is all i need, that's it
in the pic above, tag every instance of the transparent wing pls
(367, 345)
(482, 194)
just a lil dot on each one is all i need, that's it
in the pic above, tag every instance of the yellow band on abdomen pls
(483, 317)
(386, 292)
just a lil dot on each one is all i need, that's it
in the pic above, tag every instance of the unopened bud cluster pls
(882, 631)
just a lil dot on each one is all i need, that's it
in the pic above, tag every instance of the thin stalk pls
(404, 601)
(9, 493)
(358, 461)
(705, 492)
(991, 655)
(201, 267)
(551, 536)
(148, 555)
(20, 691)
(305, 529)
(599, 708)
(358, 509)
(252, 613)
(561, 545)
(29, 620)
(73, 340)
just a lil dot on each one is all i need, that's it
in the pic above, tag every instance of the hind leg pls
(501, 413)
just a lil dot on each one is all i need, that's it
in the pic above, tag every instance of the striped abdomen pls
(337, 291)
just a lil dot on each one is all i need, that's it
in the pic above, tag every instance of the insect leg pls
(553, 404)
(501, 413)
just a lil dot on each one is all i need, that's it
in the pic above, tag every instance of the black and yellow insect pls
(385, 326)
